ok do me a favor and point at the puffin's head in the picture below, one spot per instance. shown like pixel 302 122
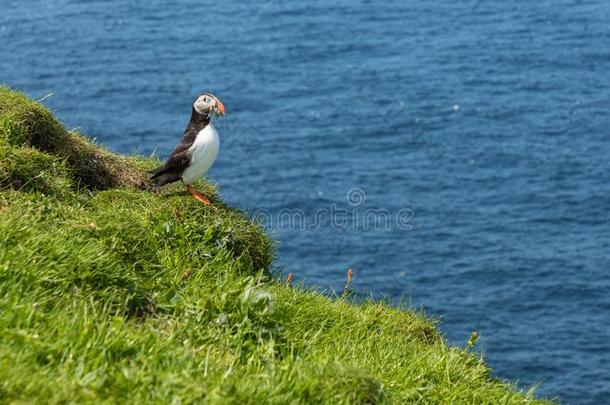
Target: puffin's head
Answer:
pixel 207 104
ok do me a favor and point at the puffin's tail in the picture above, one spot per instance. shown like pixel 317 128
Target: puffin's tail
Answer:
pixel 162 176
pixel 157 171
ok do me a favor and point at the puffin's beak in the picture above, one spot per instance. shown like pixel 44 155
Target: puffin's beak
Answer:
pixel 220 107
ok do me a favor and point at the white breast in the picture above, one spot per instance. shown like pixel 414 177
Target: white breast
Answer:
pixel 203 154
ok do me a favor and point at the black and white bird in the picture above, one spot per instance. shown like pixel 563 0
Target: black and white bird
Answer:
pixel 197 149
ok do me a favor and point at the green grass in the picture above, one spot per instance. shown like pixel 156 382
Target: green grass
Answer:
pixel 109 293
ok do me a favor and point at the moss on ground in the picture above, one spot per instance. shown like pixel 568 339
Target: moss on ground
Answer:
pixel 109 293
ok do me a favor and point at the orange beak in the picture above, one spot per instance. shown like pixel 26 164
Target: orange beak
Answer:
pixel 220 107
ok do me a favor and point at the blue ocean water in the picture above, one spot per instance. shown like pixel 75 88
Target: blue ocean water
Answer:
pixel 453 153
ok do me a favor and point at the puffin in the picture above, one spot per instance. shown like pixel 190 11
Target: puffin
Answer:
pixel 197 149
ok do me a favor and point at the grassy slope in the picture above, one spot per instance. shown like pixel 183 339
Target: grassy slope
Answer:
pixel 111 293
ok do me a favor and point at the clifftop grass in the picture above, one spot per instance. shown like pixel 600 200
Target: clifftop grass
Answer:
pixel 109 293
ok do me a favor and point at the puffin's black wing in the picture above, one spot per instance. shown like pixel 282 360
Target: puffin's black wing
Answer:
pixel 171 170
pixel 178 161
pixel 180 158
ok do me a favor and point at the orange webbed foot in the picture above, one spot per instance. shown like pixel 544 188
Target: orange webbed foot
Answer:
pixel 200 197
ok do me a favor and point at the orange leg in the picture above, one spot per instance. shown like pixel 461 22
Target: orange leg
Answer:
pixel 200 197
